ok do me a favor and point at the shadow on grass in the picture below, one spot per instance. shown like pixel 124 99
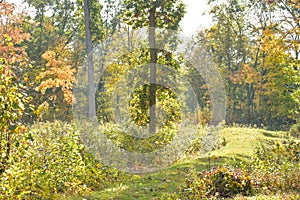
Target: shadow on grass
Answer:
pixel 162 183
pixel 275 135
pixel 267 134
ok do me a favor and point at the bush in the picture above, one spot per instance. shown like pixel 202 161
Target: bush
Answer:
pixel 295 130
pixel 218 182
pixel 277 168
pixel 49 160
pixel 120 136
pixel 13 98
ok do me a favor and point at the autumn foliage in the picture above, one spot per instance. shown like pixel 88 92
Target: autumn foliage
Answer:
pixel 12 35
pixel 13 96
pixel 58 75
pixel 254 45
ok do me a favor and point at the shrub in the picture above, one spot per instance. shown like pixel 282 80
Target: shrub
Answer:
pixel 218 182
pixel 12 104
pixel 295 130
pixel 49 160
pixel 120 137
pixel 277 168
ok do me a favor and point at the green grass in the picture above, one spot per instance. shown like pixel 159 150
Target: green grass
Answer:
pixel 238 145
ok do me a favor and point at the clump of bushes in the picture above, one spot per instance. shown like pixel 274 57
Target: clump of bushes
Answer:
pixel 295 130
pixel 49 160
pixel 277 168
pixel 274 170
pixel 120 137
pixel 219 182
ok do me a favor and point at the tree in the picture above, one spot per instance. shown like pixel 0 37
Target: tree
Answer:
pixel 113 9
pixel 64 25
pixel 290 24
pixel 154 14
pixel 52 21
pixel 53 27
pixel 275 38
pixel 227 40
pixel 258 59
pixel 280 82
pixel 13 96
pixel 89 47
pixel 60 77
pixel 12 36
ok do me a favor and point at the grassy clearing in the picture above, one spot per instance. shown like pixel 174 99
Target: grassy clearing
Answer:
pixel 236 145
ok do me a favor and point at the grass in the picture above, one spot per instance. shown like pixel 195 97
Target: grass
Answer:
pixel 236 145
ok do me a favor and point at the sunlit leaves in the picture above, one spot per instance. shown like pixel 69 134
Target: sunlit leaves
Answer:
pixel 12 91
pixel 168 13
pixel 258 57
pixel 12 105
pixel 58 75
pixel 12 35
pixel 166 103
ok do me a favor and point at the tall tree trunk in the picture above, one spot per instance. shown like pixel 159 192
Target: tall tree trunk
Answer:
pixel 153 61
pixel 91 78
pixel 250 97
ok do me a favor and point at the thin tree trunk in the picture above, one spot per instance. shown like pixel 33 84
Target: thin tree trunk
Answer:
pixel 91 78
pixel 153 61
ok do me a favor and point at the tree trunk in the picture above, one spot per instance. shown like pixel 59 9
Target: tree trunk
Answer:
pixel 91 78
pixel 250 98
pixel 153 61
